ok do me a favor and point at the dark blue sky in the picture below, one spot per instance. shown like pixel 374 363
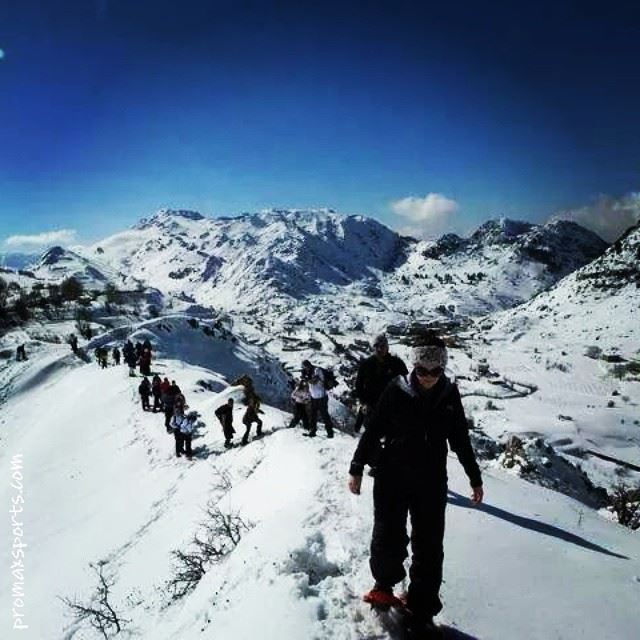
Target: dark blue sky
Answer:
pixel 113 108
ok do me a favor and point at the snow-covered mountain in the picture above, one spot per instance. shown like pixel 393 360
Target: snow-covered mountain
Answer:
pixel 301 262
pixel 503 263
pixel 253 259
pixel 57 264
pixel 577 343
pixel 597 303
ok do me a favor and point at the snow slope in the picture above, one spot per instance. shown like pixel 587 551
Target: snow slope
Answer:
pixel 571 342
pixel 101 483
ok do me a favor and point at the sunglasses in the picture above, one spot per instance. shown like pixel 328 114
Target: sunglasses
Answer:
pixel 423 372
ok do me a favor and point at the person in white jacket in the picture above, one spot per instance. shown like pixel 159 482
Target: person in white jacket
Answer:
pixel 183 429
pixel 302 405
pixel 319 399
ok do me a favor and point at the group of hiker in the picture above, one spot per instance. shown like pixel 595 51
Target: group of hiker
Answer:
pixel 138 355
pixel 311 400
pixel 224 413
pixel 170 401
pixel 409 419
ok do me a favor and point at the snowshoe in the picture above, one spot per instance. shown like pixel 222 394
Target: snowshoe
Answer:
pixel 383 599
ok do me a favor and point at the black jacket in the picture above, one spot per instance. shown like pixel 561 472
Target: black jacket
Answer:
pixel 416 427
pixel 225 415
pixel 374 376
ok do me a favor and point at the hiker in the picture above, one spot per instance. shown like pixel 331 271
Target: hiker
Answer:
pixel 146 345
pixel 251 416
pixel 180 402
pixel 144 389
pixel 156 391
pixel 417 417
pixel 73 342
pixel 131 363
pixel 101 358
pixel 301 405
pixel 20 353
pixel 315 377
pixel 115 354
pixel 183 429
pixel 224 413
pixel 145 362
pixel 168 400
pixel 374 374
pixel 164 387
pixel 128 351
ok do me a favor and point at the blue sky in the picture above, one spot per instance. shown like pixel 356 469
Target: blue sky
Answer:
pixel 425 115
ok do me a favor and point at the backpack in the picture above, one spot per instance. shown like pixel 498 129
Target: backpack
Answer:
pixel 330 380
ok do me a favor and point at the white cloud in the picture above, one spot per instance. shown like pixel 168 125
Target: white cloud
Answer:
pixel 430 216
pixel 47 238
pixel 607 216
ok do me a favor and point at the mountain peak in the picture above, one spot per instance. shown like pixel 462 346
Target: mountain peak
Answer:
pixel 52 256
pixel 500 231
pixel 164 215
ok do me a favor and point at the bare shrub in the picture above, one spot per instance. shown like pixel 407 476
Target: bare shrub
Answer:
pixel 221 533
pixel 98 612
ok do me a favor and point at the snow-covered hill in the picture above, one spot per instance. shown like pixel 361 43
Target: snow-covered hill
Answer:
pixel 595 305
pixel 502 264
pixel 101 485
pixel 57 264
pixel 302 262
pixel 578 344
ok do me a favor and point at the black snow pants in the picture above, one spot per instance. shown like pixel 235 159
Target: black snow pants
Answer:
pixel 168 414
pixel 320 410
pixel 396 495
pixel 300 412
pixel 247 424
pixel 179 436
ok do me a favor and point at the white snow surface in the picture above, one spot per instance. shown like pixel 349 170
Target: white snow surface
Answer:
pixel 102 484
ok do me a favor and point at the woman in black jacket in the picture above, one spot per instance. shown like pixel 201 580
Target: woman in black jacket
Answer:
pixel 417 418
